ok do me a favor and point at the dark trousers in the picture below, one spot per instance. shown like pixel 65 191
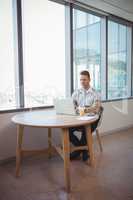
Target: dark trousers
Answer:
pixel 83 141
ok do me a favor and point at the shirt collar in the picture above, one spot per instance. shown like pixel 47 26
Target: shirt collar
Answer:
pixel 87 91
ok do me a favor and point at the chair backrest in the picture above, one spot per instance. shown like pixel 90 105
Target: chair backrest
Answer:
pixel 100 116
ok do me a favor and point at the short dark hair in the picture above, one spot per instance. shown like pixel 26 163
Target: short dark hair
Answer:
pixel 86 73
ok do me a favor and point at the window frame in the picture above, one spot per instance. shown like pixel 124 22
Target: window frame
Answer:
pixel 20 53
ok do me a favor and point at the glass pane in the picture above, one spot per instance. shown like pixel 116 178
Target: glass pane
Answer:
pixel 81 19
pixel 92 19
pixel 87 48
pixel 44 51
pixel 117 61
pixel 81 43
pixel 7 65
pixel 123 34
pixel 112 37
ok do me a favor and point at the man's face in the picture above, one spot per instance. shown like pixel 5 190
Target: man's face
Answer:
pixel 84 81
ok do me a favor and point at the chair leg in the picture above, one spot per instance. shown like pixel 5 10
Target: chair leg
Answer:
pixel 99 140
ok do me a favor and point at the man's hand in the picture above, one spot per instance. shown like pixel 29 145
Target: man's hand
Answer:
pixel 94 108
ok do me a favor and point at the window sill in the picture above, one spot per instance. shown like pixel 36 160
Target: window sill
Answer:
pixel 14 110
pixel 120 99
pixel 52 106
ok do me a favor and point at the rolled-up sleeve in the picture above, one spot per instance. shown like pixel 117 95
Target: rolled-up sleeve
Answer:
pixel 97 97
pixel 74 97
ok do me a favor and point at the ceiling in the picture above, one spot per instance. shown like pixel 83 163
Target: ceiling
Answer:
pixel 121 8
pixel 126 5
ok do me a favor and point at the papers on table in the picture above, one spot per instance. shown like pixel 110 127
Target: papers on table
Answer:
pixel 86 117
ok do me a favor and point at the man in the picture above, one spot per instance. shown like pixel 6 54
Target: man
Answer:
pixel 87 98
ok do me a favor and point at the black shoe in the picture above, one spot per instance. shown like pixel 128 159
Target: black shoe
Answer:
pixel 75 155
pixel 85 155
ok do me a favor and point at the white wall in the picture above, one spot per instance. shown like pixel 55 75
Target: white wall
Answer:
pixel 33 137
pixel 117 115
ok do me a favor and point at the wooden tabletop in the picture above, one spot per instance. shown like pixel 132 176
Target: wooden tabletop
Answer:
pixel 49 119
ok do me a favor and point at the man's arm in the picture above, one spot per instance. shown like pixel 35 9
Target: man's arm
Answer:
pixel 95 108
pixel 75 101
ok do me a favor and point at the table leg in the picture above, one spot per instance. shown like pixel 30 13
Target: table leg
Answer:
pixel 20 129
pixel 66 154
pixel 49 142
pixel 90 145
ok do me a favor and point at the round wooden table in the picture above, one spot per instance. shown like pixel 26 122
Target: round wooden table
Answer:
pixel 49 119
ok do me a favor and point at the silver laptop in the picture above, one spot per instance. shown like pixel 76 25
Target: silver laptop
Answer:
pixel 64 106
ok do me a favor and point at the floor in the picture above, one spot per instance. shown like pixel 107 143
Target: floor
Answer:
pixel 42 179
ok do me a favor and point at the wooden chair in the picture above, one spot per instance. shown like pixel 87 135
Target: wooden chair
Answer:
pixel 97 130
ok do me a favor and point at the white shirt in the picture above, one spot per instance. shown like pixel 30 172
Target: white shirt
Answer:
pixel 83 97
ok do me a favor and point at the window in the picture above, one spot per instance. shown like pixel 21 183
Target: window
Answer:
pixel 44 52
pixel 118 60
pixel 36 61
pixel 89 50
pixel 7 62
pixel 87 47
